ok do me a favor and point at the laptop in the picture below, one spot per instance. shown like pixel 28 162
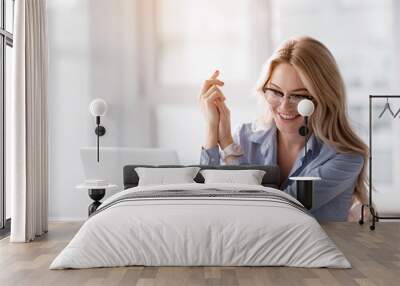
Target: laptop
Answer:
pixel 113 159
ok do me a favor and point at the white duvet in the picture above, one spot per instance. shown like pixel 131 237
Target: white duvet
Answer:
pixel 200 231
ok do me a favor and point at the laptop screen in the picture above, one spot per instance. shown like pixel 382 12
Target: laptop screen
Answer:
pixel 113 159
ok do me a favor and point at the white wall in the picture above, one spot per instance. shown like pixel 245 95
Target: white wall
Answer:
pixel 92 54
pixel 95 52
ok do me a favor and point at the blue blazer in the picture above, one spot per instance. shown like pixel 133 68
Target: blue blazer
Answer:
pixel 338 171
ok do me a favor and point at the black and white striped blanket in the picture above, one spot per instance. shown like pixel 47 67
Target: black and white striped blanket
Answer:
pixel 206 194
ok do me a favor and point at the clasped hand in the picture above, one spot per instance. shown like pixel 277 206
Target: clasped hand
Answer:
pixel 216 113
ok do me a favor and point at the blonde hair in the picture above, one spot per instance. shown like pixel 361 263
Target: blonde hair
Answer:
pixel 320 74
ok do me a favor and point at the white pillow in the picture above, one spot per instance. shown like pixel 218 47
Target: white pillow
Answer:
pixel 248 177
pixel 163 176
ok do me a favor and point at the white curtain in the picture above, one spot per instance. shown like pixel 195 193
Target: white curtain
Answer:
pixel 28 121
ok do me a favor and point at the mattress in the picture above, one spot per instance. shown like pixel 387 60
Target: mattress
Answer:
pixel 201 225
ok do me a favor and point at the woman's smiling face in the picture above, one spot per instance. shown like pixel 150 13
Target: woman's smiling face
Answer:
pixel 283 92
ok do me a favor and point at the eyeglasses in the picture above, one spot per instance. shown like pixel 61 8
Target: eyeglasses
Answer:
pixel 275 97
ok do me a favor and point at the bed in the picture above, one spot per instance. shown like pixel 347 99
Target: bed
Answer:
pixel 198 224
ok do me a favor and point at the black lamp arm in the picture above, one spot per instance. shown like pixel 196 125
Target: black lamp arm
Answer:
pixel 305 137
pixel 100 131
pixel 98 137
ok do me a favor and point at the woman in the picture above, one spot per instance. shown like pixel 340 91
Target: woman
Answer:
pixel 300 68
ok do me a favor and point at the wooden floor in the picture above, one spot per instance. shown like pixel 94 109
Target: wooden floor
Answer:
pixel 375 257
